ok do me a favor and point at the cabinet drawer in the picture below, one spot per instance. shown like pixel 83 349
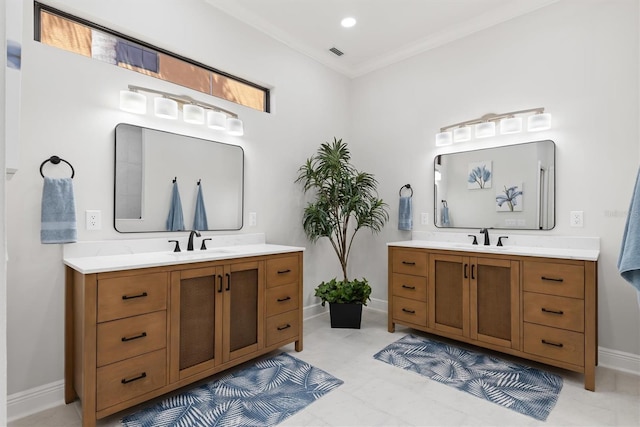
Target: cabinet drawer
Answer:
pixel 125 380
pixel 282 327
pixel 557 344
pixel 412 287
pixel 282 271
pixel 554 279
pixel 409 310
pixel 410 262
pixel 132 336
pixel 282 298
pixel 557 312
pixel 132 295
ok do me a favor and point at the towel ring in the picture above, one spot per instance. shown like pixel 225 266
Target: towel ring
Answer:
pixel 55 160
pixel 408 186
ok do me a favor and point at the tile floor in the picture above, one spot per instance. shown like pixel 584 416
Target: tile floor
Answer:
pixel 377 394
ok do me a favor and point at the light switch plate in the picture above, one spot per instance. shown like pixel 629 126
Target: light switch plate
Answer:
pixel 424 218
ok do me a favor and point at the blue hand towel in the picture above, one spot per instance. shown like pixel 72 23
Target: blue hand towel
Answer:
pixel 629 260
pixel 200 217
pixel 175 221
pixel 58 219
pixel 405 214
pixel 445 216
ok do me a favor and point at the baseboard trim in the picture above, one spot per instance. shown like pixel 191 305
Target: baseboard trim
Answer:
pixel 37 399
pixel 619 360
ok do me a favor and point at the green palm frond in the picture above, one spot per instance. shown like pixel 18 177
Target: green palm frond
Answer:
pixel 345 200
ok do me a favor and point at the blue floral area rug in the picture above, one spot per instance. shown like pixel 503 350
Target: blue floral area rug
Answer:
pixel 523 389
pixel 263 394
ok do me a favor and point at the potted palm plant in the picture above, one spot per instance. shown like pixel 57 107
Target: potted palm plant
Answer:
pixel 345 201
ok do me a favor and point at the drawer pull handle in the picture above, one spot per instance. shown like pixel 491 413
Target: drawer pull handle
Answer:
pixel 228 288
pixel 288 270
pixel 473 272
pixel 130 380
pixel 284 299
pixel 142 335
pixel 466 271
pixel 126 297
pixel 552 279
pixel 555 344
pixel 408 263
pixel 220 286
pixel 546 310
pixel 282 328
pixel 409 287
pixel 406 310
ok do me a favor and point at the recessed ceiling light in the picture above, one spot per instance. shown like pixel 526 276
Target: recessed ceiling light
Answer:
pixel 348 22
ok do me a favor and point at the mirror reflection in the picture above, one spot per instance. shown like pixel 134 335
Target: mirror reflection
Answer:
pixel 510 187
pixel 147 161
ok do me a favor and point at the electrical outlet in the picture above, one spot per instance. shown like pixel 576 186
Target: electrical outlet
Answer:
pixel 576 219
pixel 253 219
pixel 424 218
pixel 93 220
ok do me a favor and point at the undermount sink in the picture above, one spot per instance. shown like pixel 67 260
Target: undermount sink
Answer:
pixel 476 247
pixel 203 253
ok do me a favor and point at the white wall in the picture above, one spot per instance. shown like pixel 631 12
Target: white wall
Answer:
pixel 3 243
pixel 70 108
pixel 576 58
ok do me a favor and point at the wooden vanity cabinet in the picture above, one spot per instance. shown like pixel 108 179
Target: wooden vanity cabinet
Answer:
pixel 137 334
pixel 536 308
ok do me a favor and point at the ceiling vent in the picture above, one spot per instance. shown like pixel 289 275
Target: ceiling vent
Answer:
pixel 337 51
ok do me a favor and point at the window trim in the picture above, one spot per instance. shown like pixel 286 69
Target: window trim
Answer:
pixel 39 7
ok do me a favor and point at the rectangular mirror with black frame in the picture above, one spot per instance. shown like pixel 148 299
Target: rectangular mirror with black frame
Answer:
pixel 146 163
pixel 509 187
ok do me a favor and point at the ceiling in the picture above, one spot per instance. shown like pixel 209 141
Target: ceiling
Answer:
pixel 387 31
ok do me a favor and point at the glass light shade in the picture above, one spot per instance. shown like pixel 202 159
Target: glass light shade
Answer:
pixel 539 122
pixel 193 114
pixel 485 129
pixel 443 138
pixel 234 127
pixel 511 125
pixel 462 134
pixel 133 102
pixel 216 120
pixel 165 108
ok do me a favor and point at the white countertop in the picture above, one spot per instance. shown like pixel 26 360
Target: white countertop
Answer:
pixel 114 255
pixel 578 248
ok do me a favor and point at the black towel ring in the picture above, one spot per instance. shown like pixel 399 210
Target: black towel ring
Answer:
pixel 408 186
pixel 55 160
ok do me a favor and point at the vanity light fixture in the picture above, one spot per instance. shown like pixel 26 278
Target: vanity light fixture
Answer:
pixel 485 126
pixel 167 105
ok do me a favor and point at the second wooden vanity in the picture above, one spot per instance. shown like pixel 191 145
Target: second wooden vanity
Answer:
pixel 538 308
pixel 135 334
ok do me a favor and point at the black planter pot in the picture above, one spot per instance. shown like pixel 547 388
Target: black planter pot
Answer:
pixel 347 315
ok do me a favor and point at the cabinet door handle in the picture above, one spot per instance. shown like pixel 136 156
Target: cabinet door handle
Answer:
pixel 284 299
pixel 408 263
pixel 466 271
pixel 220 286
pixel 406 310
pixel 130 380
pixel 473 271
pixel 546 310
pixel 126 297
pixel 228 281
pixel 282 328
pixel 555 344
pixel 552 279
pixel 288 270
pixel 142 335
pixel 409 287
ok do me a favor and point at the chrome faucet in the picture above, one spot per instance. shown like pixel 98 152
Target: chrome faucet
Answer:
pixel 191 234
pixel 485 231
